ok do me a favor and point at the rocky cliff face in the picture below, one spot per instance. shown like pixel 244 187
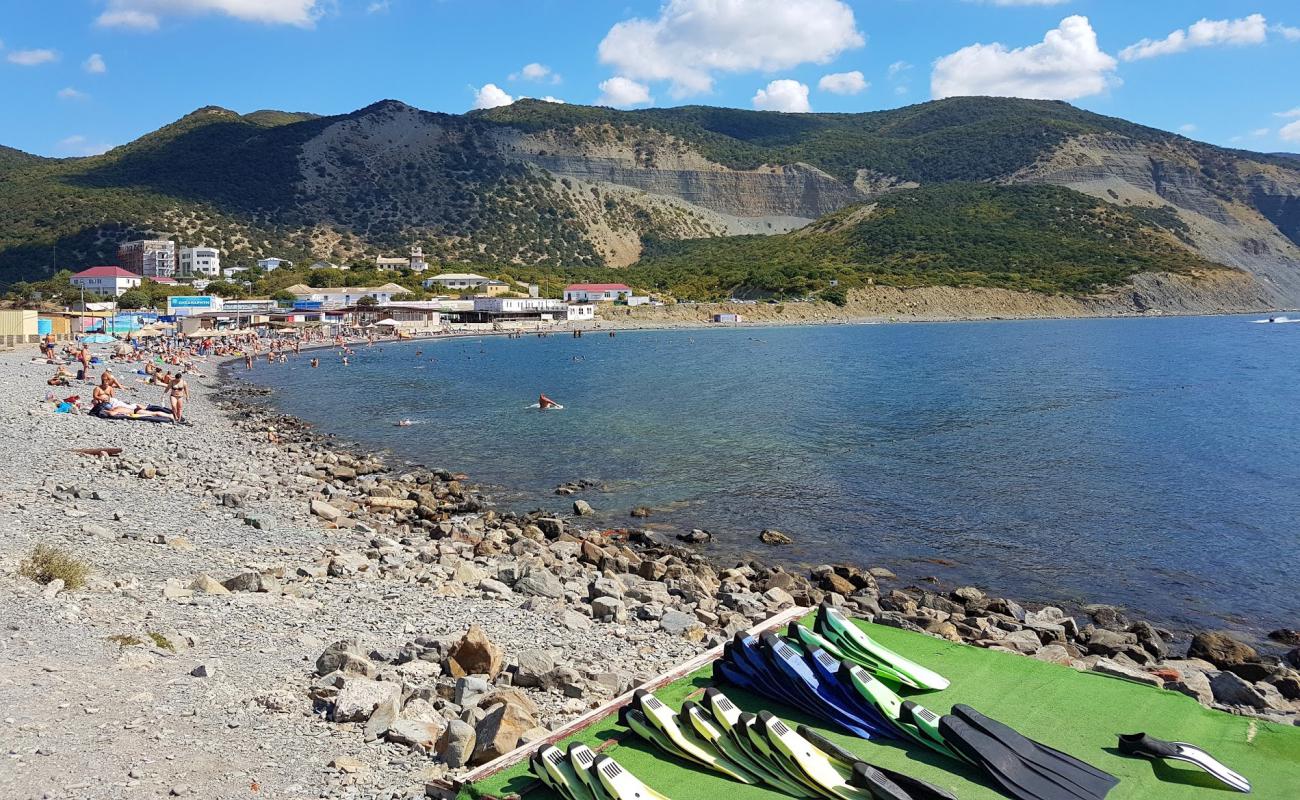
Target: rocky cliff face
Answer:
pixel 1245 219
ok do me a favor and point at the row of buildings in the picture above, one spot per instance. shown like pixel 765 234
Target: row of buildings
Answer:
pixel 159 258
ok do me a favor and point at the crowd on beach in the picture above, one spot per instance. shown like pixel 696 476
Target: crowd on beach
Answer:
pixel 164 362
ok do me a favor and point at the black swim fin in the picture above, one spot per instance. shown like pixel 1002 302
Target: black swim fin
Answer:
pixel 1139 744
pixel 1083 778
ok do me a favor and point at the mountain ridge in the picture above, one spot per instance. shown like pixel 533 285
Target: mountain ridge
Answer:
pixel 536 184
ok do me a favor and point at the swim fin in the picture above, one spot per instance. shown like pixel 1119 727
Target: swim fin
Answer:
pixel 1139 744
pixel 915 787
pixel 1065 768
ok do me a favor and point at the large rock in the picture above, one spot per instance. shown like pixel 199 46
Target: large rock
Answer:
pixel 251 582
pixel 456 745
pixel 499 732
pixel 582 508
pixel 208 585
pixel 678 622
pixel 345 655
pixel 1221 650
pixel 540 582
pixel 475 654
pixel 325 511
pixel 360 697
pixel 422 736
pixel 533 664
pixel 1231 690
pixel 773 537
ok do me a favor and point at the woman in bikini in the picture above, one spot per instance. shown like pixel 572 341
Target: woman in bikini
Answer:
pixel 177 392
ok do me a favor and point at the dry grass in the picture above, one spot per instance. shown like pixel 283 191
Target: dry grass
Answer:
pixel 125 640
pixel 46 564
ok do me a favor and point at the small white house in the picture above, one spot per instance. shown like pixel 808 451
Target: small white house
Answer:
pixel 519 305
pixel 272 264
pixel 580 312
pixel 106 281
pixel 199 262
pixel 346 295
pixel 596 292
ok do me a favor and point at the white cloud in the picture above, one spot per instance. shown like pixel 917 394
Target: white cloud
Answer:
pixel 81 146
pixel 95 64
pixel 1066 65
pixel 691 40
pixel 72 94
pixel 1290 132
pixel 1287 32
pixel 1260 133
pixel 783 95
pixel 1205 33
pixel 377 7
pixel 899 74
pixel 843 83
pixel 490 96
pixel 32 58
pixel 623 92
pixel 897 68
pixel 146 15
pixel 1295 112
pixel 537 73
pixel 1188 128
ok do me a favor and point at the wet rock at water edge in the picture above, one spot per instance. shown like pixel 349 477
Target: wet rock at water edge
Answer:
pixel 582 508
pixel 696 536
pixel 1221 650
pixel 773 537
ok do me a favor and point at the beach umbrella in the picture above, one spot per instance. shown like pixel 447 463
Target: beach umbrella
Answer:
pixel 390 322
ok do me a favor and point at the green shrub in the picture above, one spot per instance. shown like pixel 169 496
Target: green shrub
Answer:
pixel 46 564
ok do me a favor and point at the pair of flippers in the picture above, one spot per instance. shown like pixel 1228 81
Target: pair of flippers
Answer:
pixel 582 775
pixel 763 750
pixel 835 633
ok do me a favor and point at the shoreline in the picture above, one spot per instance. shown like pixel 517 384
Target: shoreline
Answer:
pixel 231 577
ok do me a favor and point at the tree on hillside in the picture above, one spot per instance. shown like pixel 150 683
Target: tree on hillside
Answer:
pixel 367 301
pixel 226 289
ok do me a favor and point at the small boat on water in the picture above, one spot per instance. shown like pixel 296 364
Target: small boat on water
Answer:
pixel 403 423
pixel 1275 320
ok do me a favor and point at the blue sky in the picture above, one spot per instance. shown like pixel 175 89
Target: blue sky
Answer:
pixel 79 76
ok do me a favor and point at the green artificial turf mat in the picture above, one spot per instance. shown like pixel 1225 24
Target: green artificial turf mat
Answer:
pixel 1076 712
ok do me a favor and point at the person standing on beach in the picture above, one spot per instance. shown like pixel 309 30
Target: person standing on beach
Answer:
pixel 248 359
pixel 178 391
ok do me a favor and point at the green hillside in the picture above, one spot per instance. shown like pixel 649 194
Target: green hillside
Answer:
pixel 1035 238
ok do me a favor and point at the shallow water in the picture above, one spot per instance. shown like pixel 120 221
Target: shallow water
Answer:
pixel 1145 462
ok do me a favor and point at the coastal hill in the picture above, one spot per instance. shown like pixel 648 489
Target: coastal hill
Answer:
pixel 581 191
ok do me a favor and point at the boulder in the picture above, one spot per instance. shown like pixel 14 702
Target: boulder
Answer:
pixel 539 582
pixel 1022 641
pixel 773 537
pixel 1120 670
pixel 208 585
pixel 1221 650
pixel 678 622
pixel 325 511
pixel 582 508
pixel 1231 690
pixel 422 736
pixel 533 665
pixel 251 582
pixel 499 732
pixel 609 609
pixel 345 655
pixel 456 744
pixel 475 654
pixel 360 697
pixel 1286 636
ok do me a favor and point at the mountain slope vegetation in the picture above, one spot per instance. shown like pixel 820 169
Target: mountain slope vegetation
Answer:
pixel 540 188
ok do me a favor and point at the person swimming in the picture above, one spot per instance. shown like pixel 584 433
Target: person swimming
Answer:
pixel 544 402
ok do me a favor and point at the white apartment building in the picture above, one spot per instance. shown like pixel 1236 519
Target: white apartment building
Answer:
pixel 455 280
pixel 346 295
pixel 106 281
pixel 152 258
pixel 200 262
pixel 273 263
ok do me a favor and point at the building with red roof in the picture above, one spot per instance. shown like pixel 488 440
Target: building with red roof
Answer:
pixel 106 281
pixel 596 292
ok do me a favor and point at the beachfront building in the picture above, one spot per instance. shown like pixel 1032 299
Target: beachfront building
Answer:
pixel 231 272
pixel 456 281
pixel 412 317
pixel 272 264
pixel 580 312
pixel 596 292
pixel 106 281
pixel 152 258
pixel 199 262
pixel 346 295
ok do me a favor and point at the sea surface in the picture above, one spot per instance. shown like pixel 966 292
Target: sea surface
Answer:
pixel 1150 463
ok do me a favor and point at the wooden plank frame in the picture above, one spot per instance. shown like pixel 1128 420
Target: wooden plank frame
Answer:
pixel 447 789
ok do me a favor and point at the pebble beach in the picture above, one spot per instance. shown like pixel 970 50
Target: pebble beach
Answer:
pixel 266 613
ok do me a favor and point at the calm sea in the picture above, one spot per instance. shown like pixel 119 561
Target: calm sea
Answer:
pixel 1151 463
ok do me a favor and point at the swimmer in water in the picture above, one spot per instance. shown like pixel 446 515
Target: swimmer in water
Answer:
pixel 544 402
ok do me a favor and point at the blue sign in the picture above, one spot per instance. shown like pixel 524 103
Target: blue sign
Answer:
pixel 197 301
pixel 307 305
